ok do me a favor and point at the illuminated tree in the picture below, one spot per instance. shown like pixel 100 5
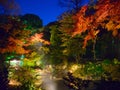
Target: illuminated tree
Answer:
pixel 94 20
pixel 73 48
pixel 105 14
pixel 55 47
pixel 33 61
pixel 12 41
pixel 38 49
pixel 72 45
pixel 18 42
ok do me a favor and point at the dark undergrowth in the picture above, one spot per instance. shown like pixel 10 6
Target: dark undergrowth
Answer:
pixel 79 84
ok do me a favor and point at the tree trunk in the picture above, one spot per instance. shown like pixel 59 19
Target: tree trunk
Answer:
pixel 94 46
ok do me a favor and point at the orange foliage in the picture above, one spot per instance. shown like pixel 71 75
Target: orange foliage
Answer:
pixel 17 45
pixel 104 10
pixel 38 38
pixel 16 38
pixel 82 24
pixel 14 45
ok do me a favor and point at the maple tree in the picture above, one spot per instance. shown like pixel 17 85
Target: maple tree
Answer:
pixel 14 36
pixel 8 42
pixel 104 14
pixel 37 37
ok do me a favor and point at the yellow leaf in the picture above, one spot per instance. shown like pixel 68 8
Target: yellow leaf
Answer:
pixel 110 25
pixel 117 27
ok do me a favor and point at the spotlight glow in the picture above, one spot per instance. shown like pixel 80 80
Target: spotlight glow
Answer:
pixel 15 62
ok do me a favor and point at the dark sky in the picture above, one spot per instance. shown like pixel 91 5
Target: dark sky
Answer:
pixel 47 10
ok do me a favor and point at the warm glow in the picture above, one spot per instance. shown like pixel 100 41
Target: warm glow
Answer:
pixel 73 68
pixel 14 83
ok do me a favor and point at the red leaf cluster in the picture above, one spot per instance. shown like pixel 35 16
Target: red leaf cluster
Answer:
pixel 104 10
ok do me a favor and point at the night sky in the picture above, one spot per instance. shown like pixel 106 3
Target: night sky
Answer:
pixel 47 10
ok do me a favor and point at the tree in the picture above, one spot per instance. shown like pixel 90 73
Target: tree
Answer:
pixel 13 40
pixel 92 20
pixel 19 41
pixel 39 48
pixel 104 14
pixel 32 21
pixel 47 30
pixel 72 46
pixel 55 47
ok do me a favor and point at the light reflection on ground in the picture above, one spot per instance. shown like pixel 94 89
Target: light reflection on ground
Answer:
pixel 43 79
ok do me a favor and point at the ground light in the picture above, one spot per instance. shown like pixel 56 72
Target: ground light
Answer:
pixel 16 63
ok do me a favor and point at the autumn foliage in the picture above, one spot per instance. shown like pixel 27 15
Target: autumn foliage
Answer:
pixel 38 37
pixel 105 14
pixel 13 37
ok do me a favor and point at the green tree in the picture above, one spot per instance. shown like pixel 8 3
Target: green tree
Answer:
pixel 47 29
pixel 73 48
pixel 32 22
pixel 55 47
